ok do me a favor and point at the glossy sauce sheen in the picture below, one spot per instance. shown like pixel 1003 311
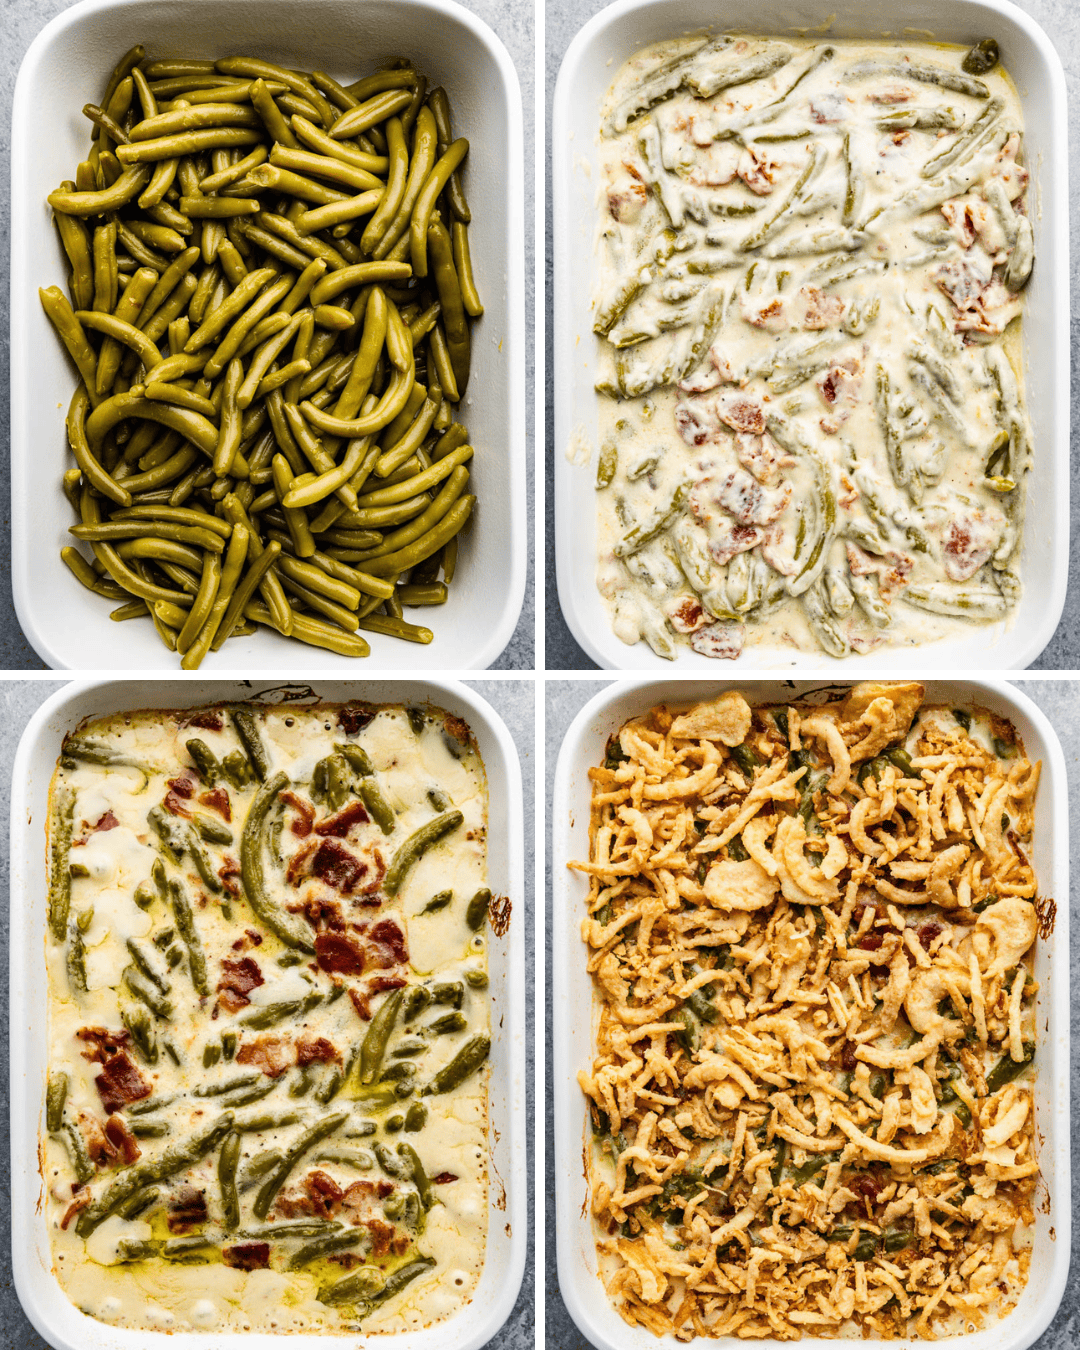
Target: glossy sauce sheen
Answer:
pixel 803 443
pixel 113 851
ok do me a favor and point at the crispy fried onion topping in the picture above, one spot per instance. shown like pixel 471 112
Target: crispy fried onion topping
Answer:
pixel 811 931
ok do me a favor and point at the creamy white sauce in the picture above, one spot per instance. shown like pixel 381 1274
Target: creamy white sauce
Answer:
pixel 110 864
pixel 808 297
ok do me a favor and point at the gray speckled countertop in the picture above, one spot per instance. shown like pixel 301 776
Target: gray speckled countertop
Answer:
pixel 20 22
pixel 1060 701
pixel 1061 20
pixel 19 699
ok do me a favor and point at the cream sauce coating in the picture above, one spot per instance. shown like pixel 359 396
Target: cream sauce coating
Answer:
pixel 114 848
pixel 811 263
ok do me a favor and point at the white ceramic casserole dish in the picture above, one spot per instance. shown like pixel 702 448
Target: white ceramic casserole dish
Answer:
pixel 58 1320
pixel 68 64
pixel 588 69
pixel 574 1019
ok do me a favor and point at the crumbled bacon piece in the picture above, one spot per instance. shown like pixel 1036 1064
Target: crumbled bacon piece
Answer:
pixel 687 616
pixel 382 1235
pixel 120 1082
pixel 443 1179
pixel 340 824
pixel 323 1191
pixel 969 544
pixel 340 869
pixel 321 914
pixel 379 984
pixel 82 1199
pixel 238 979
pixel 315 1050
pixel 625 205
pixel 927 933
pixel 391 940
pixel 106 822
pixel 218 800
pixel 207 721
pixel 339 954
pixel 186 1209
pixel 740 413
pixel 121 1138
pixel 247 1256
pixel 354 717
pixel 269 1054
pixel 297 866
pixel 183 786
pixel 821 310
pixel 301 826
pixel 361 1191
pixel 863 1185
pixel 870 942
pixel 229 870
pixel 102 1042
pixel 99 1146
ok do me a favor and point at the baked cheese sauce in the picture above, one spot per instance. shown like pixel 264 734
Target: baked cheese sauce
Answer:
pixel 811 261
pixel 145 1080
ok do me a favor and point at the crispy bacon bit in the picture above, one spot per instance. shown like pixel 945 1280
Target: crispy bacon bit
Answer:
pixel 354 717
pixel 361 1191
pixel 121 1138
pixel 229 869
pixel 334 864
pixel 102 1043
pixel 927 933
pixel 378 984
pixel 870 942
pixel 740 413
pixel 106 822
pixel 321 914
pixel 863 1185
pixel 323 1191
pixel 382 1235
pixel 761 456
pixel 822 311
pixel 969 543
pixel 456 727
pixel 769 316
pixel 297 868
pixel 847 1056
pixel 270 1054
pixel 687 616
pixel 301 826
pixel 390 941
pixel 82 1199
pixel 723 641
pixel 218 800
pixel 120 1082
pixel 342 823
pixel 443 1179
pixel 757 171
pixel 98 1144
pixel 340 954
pixel 183 786
pixel 186 1209
pixel 750 503
pixel 346 1260
pixel 312 1050
pixel 696 421
pixel 174 804
pixel 247 1256
pixel 238 979
pixel 625 205
pixel 208 721
pixel 734 538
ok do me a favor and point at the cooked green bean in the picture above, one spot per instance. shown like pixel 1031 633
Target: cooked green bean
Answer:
pixel 292 931
pixel 417 844
pixel 315 1134
pixel 465 1063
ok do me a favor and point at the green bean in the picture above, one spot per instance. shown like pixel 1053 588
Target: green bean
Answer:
pixel 143 153
pixel 61 827
pixel 315 1134
pixel 290 930
pixel 373 1046
pixel 185 922
pixel 80 1158
pixel 378 807
pixel 1007 1069
pixel 982 57
pixel 139 1203
pixel 185 1153
pixel 126 188
pixel 465 1063
pixel 323 1246
pixel 437 902
pixel 230 1201
pixel 476 912
pixel 417 844
pixel 55 1097
pixel 446 1025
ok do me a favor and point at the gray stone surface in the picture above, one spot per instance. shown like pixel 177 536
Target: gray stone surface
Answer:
pixel 1061 20
pixel 20 22
pixel 19 699
pixel 1060 701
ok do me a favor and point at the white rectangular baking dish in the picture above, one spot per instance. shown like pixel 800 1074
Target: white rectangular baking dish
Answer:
pixel 67 65
pixel 583 747
pixel 58 1320
pixel 588 69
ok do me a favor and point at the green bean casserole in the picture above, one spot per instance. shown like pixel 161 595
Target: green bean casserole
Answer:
pixel 812 933
pixel 266 1105
pixel 812 428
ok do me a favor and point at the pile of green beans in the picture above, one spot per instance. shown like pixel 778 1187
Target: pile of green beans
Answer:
pixel 290 457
